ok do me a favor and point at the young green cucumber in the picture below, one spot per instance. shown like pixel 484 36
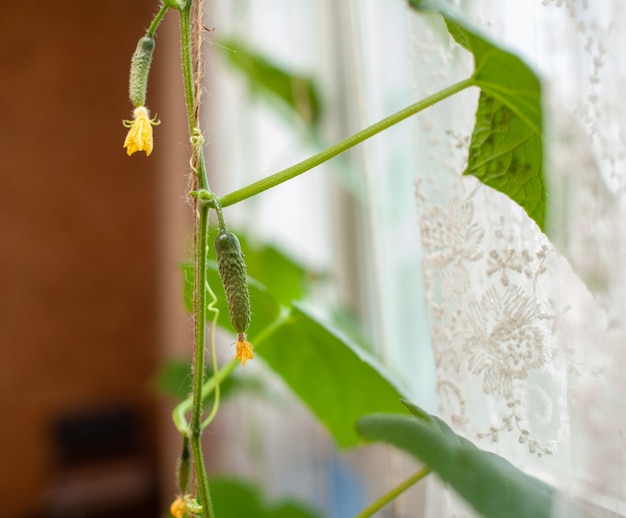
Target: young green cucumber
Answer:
pixel 139 69
pixel 232 270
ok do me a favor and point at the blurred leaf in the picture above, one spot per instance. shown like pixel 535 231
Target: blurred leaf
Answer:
pixel 335 379
pixel 292 510
pixel 174 380
pixel 491 484
pixel 236 498
pixel 297 91
pixel 506 149
pixel 348 325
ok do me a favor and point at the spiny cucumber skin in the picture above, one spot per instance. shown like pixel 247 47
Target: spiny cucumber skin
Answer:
pixel 139 69
pixel 232 270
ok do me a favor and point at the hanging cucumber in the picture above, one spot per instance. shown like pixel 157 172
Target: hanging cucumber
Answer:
pixel 232 269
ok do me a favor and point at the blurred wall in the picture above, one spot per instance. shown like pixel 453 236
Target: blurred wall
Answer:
pixel 77 234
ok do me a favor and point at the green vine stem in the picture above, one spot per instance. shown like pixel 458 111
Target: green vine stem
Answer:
pixel 215 203
pixel 201 289
pixel 200 310
pixel 216 399
pixel 156 21
pixel 332 151
pixel 388 497
pixel 187 62
pixel 179 413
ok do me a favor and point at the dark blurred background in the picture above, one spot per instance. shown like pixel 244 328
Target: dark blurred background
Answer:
pixel 78 279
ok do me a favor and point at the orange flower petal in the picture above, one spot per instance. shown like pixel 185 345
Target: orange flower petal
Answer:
pixel 177 509
pixel 244 351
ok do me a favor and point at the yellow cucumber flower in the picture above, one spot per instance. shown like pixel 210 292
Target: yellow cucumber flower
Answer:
pixel 139 136
pixel 244 349
pixel 177 509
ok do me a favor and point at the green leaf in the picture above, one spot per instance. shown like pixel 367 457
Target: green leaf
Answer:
pixel 491 484
pixel 236 498
pixel 265 77
pixel 335 379
pixel 506 149
pixel 505 153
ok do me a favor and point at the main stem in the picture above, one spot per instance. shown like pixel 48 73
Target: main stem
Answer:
pixel 190 95
pixel 200 304
pixel 200 263
pixel 332 151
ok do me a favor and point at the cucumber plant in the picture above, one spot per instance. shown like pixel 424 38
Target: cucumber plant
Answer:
pixel 279 321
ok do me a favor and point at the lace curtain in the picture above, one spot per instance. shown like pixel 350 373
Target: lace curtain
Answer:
pixel 528 332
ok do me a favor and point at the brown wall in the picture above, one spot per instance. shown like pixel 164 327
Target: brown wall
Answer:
pixel 77 233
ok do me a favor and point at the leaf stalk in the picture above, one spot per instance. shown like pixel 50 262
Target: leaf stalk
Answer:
pixel 347 143
pixel 394 493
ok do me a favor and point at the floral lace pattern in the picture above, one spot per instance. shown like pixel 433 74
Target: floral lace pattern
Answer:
pixel 493 323
pixel 505 342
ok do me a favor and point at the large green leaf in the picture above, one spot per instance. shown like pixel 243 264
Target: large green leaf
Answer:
pixel 506 148
pixel 491 484
pixel 265 77
pixel 335 379
pixel 235 498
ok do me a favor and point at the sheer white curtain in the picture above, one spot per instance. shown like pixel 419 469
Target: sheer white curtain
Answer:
pixel 528 333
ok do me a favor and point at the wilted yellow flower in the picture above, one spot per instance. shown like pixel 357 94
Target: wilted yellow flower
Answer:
pixel 139 136
pixel 177 509
pixel 244 349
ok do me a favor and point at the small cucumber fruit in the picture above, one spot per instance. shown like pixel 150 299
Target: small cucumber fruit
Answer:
pixel 232 270
pixel 139 69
